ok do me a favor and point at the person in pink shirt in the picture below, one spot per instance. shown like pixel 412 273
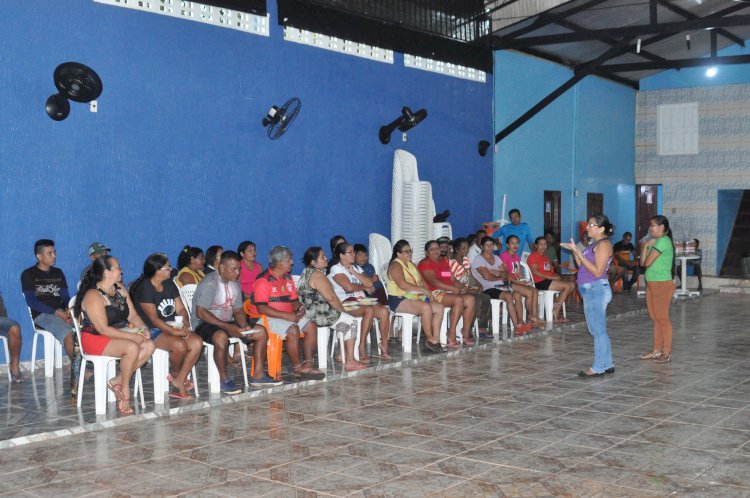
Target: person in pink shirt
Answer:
pixel 522 284
pixel 249 269
pixel 545 277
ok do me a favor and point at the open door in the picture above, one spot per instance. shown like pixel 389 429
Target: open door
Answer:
pixel 552 214
pixel 594 204
pixel 646 207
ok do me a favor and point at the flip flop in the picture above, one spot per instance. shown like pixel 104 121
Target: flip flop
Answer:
pixel 313 374
pixel 114 388
pixel 354 366
pixel 16 378
pixel 188 383
pixel 177 395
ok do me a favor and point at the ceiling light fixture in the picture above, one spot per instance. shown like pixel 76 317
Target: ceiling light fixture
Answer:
pixel 712 71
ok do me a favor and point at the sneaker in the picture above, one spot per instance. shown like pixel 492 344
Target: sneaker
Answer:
pixel 229 387
pixel 265 381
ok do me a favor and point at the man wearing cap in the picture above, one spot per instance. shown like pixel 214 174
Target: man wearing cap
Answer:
pixel 96 249
pixel 446 249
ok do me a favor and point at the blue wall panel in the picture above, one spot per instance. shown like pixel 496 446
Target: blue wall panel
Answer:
pixel 583 141
pixel 176 154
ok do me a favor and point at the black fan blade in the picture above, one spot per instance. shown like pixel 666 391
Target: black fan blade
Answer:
pixel 387 130
pixel 77 82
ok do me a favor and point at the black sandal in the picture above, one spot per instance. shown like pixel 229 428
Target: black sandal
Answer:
pixel 312 374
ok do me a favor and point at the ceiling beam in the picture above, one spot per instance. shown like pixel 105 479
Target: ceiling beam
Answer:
pixel 678 63
pixel 689 15
pixel 545 19
pixel 624 32
pixel 580 73
pixel 598 72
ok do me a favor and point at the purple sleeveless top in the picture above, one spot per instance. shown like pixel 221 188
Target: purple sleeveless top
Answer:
pixel 585 276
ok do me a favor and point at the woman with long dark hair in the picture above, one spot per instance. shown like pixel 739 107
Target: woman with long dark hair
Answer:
pixel 408 293
pixel 594 288
pixel 106 309
pixel 657 256
pixel 157 301
pixel 190 263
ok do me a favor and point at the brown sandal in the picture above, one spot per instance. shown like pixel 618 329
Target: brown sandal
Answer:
pixel 650 355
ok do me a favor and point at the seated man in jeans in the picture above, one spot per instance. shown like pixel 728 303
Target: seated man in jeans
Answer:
pixel 217 311
pixel 624 254
pixel 275 296
pixel 46 292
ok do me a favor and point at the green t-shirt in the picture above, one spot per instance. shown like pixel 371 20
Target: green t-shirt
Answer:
pixel 661 269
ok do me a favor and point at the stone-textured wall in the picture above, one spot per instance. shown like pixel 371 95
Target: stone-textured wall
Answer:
pixel 691 182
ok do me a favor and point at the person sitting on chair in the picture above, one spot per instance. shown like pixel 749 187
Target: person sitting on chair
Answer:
pixel 12 331
pixel 275 296
pixel 461 270
pixel 624 255
pixel 522 284
pixel 157 301
pixel 546 279
pixel 218 315
pixel 106 312
pixel 213 255
pixel 190 263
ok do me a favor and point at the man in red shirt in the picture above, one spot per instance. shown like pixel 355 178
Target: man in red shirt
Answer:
pixel 275 296
pixel 545 277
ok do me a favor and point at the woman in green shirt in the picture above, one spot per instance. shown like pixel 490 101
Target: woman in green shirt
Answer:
pixel 657 256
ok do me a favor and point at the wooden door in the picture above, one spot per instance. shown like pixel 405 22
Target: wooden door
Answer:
pixel 552 214
pixel 646 207
pixel 594 204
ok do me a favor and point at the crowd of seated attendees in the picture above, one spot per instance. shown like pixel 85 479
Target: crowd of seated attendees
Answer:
pixel 234 291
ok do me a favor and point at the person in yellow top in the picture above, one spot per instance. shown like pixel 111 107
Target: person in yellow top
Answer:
pixel 658 259
pixel 408 293
pixel 190 263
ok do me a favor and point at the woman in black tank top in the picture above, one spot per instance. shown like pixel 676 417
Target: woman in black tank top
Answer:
pixel 105 308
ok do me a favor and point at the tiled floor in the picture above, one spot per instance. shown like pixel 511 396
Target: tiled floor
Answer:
pixel 504 420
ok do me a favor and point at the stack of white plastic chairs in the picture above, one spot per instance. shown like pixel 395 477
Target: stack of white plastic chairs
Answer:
pixel 412 207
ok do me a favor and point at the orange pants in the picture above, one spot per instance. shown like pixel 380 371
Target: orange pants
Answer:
pixel 658 299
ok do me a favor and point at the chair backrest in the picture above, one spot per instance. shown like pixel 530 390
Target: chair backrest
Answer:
pixel 186 294
pixel 380 254
pixel 76 325
pixel 527 275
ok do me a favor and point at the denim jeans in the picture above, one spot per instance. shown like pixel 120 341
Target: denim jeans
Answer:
pixel 596 296
pixel 54 324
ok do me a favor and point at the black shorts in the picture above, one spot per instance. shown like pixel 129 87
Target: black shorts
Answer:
pixel 495 293
pixel 543 285
pixel 206 331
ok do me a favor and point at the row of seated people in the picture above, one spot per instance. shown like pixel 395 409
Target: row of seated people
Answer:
pixel 218 304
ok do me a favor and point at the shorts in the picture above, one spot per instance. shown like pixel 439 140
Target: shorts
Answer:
pixel 280 327
pixel 394 302
pixel 543 285
pixel 438 295
pixel 154 332
pixel 54 325
pixel 94 344
pixel 6 324
pixel 206 331
pixel 495 293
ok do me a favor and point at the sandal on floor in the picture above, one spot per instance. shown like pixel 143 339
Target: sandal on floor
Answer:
pixel 354 366
pixel 177 395
pixel 663 358
pixel 312 374
pixel 381 354
pixel 650 355
pixel 16 378
pixel 116 390
pixel 453 345
pixel 469 342
pixel 124 411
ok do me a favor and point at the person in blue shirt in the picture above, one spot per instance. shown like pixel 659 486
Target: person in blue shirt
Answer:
pixel 515 227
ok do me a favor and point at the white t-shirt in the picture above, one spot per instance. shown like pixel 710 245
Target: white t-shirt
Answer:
pixel 480 262
pixel 474 251
pixel 340 292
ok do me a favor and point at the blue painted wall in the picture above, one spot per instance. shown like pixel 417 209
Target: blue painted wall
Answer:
pixel 583 141
pixel 696 76
pixel 176 154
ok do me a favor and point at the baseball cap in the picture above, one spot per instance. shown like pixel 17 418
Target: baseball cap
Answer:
pixel 98 248
pixel 444 240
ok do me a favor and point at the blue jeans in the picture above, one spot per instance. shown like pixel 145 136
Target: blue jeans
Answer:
pixel 54 325
pixel 596 296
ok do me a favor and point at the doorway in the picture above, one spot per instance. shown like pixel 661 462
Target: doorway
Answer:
pixel 646 207
pixel 552 216
pixel 594 204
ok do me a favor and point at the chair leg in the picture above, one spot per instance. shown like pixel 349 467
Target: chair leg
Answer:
pixel 273 354
pixel 49 355
pixel 495 314
pixel 214 381
pixel 139 387
pixel 323 333
pixel 33 352
pixel 407 324
pixel 7 357
pixel 101 392
pixel 243 362
pixel 79 396
pixel 195 382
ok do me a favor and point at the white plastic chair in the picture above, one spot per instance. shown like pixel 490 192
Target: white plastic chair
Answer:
pixel 495 307
pixel 546 299
pixel 7 356
pixel 104 369
pixel 214 381
pixel 52 349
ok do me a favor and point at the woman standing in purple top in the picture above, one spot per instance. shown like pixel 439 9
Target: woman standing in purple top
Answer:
pixel 594 288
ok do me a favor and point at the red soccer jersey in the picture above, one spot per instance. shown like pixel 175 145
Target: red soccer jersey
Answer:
pixel 278 293
pixel 543 266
